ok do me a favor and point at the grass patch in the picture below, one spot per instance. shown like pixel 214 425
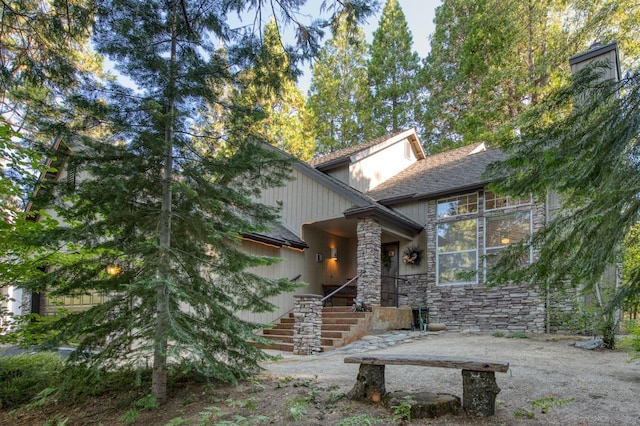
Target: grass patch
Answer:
pixel 23 377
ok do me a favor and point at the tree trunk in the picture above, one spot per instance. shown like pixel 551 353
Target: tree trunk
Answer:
pixel 369 384
pixel 160 342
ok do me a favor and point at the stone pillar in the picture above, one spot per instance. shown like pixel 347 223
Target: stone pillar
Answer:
pixel 369 267
pixel 307 314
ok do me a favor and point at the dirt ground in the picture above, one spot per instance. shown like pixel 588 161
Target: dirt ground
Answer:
pixel 549 383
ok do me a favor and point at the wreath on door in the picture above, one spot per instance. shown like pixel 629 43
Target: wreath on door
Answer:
pixel 412 256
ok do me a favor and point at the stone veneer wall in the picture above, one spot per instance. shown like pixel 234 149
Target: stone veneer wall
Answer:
pixel 369 246
pixel 307 327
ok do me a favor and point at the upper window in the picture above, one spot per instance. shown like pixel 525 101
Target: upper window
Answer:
pixel 494 201
pixel 455 206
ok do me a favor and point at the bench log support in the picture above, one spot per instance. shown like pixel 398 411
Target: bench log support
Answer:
pixel 479 390
pixel 369 384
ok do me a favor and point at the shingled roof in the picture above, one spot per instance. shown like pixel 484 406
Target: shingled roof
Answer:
pixel 448 172
pixel 279 236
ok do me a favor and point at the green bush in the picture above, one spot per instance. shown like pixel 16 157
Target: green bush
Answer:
pixel 25 376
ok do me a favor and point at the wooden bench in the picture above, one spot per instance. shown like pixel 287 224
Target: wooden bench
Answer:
pixel 348 293
pixel 478 378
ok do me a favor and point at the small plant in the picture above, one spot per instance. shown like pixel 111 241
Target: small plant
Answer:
pixel 335 397
pixel 148 402
pixel 499 334
pixel 518 335
pixel 544 404
pixel 523 412
pixel 24 377
pixel 178 421
pixel 208 414
pixel 402 411
pixel 298 407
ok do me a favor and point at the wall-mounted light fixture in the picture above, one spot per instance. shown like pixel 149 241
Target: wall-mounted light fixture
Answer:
pixel 334 253
pixel 319 257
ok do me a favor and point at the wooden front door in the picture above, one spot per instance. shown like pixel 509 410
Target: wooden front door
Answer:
pixel 389 273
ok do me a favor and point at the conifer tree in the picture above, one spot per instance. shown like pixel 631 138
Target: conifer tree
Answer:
pixel 491 60
pixel 339 96
pixel 393 70
pixel 164 198
pixel 270 88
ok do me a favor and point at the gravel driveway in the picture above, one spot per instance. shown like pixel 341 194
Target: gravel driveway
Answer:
pixel 581 387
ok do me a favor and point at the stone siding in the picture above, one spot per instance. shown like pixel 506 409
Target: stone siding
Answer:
pixel 307 328
pixel 369 266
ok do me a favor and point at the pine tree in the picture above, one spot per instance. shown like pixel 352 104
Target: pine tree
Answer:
pixel 165 198
pixel 581 142
pixel 491 60
pixel 393 70
pixel 270 88
pixel 339 96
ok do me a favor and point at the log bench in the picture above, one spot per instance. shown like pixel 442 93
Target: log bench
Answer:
pixel 479 388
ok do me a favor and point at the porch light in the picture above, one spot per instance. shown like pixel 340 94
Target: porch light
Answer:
pixel 505 240
pixel 113 270
pixel 334 253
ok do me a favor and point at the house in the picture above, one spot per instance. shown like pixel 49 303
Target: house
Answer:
pixel 406 229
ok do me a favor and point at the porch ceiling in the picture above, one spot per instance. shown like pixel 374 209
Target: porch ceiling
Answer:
pixel 340 227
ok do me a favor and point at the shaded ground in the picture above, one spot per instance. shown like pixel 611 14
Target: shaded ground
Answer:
pixel 549 383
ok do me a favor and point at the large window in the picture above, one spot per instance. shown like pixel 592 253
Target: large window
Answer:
pixel 458 248
pixel 458 252
pixel 502 230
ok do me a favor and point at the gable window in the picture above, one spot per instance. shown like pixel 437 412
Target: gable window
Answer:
pixel 457 242
pixel 494 201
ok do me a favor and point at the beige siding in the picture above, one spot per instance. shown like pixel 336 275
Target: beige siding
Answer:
pixel 304 200
pixel 610 57
pixel 291 265
pixel 341 173
pixel 376 168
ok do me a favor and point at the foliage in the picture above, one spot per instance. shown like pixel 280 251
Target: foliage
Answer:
pixel 166 194
pixel 492 60
pixel 298 407
pixel 24 376
pixel 269 88
pixel 339 98
pixel 360 420
pixel 393 70
pixel 402 411
pixel 586 152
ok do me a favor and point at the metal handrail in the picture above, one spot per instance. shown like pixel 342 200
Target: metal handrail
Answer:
pixel 339 288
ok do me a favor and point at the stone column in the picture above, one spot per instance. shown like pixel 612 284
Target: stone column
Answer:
pixel 369 241
pixel 307 328
pixel 479 390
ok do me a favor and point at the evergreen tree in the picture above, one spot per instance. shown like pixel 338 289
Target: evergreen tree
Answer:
pixel 165 198
pixel 270 88
pixel 491 60
pixel 339 96
pixel 393 70
pixel 587 152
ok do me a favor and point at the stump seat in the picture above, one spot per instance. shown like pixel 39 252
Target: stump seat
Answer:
pixel 479 388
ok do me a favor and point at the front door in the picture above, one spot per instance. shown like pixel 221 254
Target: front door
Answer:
pixel 389 274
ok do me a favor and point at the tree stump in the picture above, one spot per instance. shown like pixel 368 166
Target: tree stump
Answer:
pixel 479 390
pixel 424 405
pixel 369 384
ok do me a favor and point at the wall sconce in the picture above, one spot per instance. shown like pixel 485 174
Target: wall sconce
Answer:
pixel 334 253
pixel 113 270
pixel 319 257
pixel 505 240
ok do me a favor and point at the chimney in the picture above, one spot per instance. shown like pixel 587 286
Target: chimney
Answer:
pixel 599 52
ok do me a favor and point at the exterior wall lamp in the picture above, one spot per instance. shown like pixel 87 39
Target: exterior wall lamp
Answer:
pixel 113 270
pixel 334 253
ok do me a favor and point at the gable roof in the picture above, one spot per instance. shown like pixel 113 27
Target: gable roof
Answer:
pixel 351 153
pixel 449 172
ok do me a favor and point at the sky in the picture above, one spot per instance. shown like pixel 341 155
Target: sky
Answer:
pixel 419 15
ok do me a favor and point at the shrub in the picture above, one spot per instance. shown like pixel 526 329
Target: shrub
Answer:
pixel 25 376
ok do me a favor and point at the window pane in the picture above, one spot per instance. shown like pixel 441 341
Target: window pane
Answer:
pixel 493 201
pixel 454 206
pixel 507 229
pixel 457 236
pixel 457 267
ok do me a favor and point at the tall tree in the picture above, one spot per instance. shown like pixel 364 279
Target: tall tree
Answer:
pixel 270 88
pixel 339 96
pixel 393 70
pixel 587 152
pixel 491 60
pixel 44 57
pixel 165 198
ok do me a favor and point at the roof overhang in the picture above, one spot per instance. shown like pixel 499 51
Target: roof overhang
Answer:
pixel 389 219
